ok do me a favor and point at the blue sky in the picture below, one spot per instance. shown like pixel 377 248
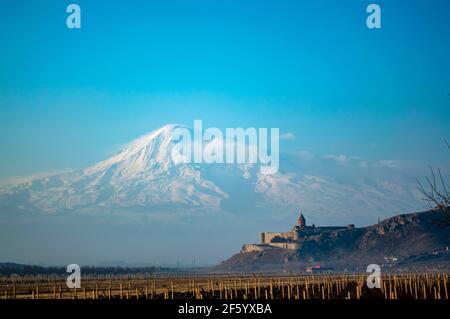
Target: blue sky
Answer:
pixel 69 98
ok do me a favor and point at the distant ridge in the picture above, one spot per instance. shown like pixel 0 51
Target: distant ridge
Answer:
pixel 10 269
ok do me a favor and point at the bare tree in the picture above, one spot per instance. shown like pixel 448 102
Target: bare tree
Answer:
pixel 436 192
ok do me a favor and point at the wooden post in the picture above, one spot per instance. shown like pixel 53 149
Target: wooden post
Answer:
pixel 152 291
pixel 390 289
pixel 271 289
pixel 415 290
pixel 384 289
pixel 439 287
pixel 445 286
pixel 306 290
pixel 259 288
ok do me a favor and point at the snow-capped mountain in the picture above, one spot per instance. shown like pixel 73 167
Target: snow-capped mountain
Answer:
pixel 143 176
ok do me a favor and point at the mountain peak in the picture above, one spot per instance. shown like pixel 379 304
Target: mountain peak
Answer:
pixel 149 150
pixel 164 132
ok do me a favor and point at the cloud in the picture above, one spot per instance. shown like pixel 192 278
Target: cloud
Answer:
pixel 392 163
pixel 303 155
pixel 287 136
pixel 338 158
pixel 29 178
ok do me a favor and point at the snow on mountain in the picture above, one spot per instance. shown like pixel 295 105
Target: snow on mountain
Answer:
pixel 144 177
pixel 140 175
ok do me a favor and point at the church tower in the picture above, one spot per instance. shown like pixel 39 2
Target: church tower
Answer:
pixel 301 221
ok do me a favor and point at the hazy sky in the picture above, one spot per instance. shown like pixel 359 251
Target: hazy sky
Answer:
pixel 69 98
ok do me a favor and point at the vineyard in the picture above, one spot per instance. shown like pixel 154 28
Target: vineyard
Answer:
pixel 393 286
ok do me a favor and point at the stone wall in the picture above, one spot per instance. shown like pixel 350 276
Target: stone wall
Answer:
pixel 284 245
pixel 268 237
pixel 248 248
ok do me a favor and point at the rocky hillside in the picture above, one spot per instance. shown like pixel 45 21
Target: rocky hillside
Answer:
pixel 408 241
